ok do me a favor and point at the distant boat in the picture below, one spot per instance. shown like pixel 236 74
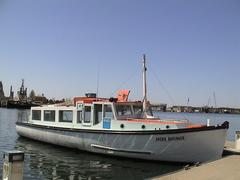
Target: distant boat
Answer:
pixel 20 105
pixel 119 127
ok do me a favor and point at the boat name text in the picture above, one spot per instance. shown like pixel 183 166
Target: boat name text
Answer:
pixel 174 138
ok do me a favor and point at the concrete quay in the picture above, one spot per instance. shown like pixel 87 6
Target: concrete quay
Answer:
pixel 226 168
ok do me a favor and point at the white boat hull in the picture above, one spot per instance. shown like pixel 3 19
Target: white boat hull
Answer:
pixel 195 146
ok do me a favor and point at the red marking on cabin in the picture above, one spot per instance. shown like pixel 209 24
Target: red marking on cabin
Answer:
pixel 89 100
pixel 123 95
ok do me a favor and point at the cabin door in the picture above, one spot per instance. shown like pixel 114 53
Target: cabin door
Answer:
pixel 107 116
pixel 98 113
pixel 87 115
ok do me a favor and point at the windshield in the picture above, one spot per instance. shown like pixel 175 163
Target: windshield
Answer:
pixel 129 110
pixel 123 110
pixel 149 111
pixel 137 109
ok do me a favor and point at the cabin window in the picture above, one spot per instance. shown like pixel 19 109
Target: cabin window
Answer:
pixel 66 116
pixel 137 109
pixel 123 110
pixel 87 114
pixel 36 115
pixel 108 113
pixel 79 116
pixel 97 113
pixel 49 115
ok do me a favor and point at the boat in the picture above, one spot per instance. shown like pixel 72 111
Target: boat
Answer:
pixel 11 104
pixel 124 128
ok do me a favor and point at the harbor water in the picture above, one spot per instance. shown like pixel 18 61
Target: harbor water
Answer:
pixel 45 161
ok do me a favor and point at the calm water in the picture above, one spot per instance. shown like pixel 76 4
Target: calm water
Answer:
pixel 44 161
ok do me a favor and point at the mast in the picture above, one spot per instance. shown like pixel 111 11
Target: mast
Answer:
pixel 215 100
pixel 144 87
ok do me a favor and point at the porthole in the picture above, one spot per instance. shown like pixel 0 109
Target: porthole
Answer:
pixel 122 125
pixel 143 126
pixel 167 126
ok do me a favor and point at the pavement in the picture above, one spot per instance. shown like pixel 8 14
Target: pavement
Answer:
pixel 226 168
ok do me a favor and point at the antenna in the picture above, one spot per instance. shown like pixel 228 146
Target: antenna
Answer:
pixel 209 101
pixel 98 74
pixel 188 101
pixel 215 101
pixel 97 83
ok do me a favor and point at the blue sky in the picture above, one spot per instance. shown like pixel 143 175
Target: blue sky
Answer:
pixel 61 46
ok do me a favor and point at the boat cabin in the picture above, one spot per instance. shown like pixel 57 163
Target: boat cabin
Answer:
pixel 100 114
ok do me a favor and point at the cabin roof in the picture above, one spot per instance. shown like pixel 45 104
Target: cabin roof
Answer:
pixel 90 100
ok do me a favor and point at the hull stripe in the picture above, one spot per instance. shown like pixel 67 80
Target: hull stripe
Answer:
pixel 225 125
pixel 119 150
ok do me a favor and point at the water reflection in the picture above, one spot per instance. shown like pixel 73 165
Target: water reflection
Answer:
pixel 45 161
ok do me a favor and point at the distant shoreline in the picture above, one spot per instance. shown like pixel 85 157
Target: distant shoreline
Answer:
pixel 191 109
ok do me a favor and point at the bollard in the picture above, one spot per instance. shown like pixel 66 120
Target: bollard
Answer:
pixel 13 165
pixel 237 140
